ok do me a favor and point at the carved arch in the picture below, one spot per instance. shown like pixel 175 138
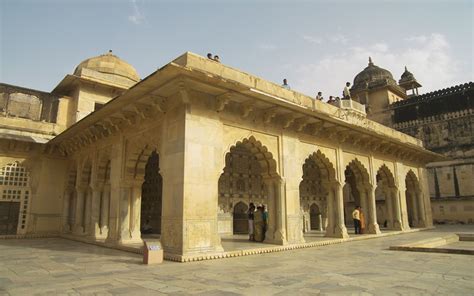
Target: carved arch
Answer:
pixel 411 181
pixel 265 158
pixel 103 167
pixel 359 170
pixel 326 169
pixel 86 172
pixel 386 175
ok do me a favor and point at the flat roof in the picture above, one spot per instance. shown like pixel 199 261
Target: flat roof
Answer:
pixel 208 71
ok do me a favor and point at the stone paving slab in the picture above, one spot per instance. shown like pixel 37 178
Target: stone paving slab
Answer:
pixel 451 243
pixel 364 267
pixel 238 245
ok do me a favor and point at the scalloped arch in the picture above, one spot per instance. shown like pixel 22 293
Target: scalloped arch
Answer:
pixel 324 164
pixel 264 157
pixel 385 173
pixel 359 170
pixel 411 180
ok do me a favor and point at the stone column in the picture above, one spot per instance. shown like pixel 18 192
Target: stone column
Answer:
pixel 279 195
pixel 104 215
pixel 66 204
pixel 425 197
pixel 340 229
pixel 330 212
pixel 364 204
pixel 88 212
pixel 124 215
pixel 421 209
pixel 373 226
pixel 113 215
pixel 324 215
pixel 389 207
pixel 320 223
pixel 72 209
pixel 94 229
pixel 117 160
pixel 275 233
pixel 135 211
pixel 397 219
pixel 414 208
pixel 269 234
pixel 78 217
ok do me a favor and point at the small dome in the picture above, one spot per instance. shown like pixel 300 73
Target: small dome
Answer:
pixel 371 74
pixel 109 64
pixel 406 76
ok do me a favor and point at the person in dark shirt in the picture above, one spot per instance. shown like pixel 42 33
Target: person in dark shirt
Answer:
pixel 250 214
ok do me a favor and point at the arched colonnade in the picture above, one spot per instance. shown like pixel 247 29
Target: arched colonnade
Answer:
pixel 327 194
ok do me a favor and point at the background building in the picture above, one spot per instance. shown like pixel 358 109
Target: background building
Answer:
pixel 442 119
pixel 187 149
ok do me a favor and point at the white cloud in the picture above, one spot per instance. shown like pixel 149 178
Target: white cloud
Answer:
pixel 381 47
pixel 428 57
pixel 266 46
pixel 421 38
pixel 311 39
pixel 339 38
pixel 137 17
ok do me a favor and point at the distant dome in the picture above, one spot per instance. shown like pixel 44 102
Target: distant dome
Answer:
pixel 406 76
pixel 109 64
pixel 372 74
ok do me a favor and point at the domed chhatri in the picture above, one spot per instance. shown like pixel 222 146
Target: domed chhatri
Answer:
pixel 112 67
pixel 408 81
pixel 406 76
pixel 372 74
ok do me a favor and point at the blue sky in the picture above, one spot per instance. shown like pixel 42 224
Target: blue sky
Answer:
pixel 316 45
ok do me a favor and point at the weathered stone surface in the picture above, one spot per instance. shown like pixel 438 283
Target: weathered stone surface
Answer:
pixel 219 139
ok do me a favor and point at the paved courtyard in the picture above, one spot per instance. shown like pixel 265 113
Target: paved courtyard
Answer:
pixel 59 266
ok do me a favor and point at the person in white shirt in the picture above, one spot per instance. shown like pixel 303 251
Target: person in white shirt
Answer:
pixel 356 218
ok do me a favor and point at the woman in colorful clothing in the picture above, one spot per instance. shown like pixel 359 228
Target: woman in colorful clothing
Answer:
pixel 362 221
pixel 259 224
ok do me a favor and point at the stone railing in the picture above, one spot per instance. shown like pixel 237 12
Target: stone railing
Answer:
pixel 430 119
pixel 352 105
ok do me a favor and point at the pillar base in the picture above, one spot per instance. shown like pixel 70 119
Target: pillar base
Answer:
pixel 78 230
pixel 340 232
pixel 420 224
pixel 329 234
pixel 276 238
pixel 374 229
pixel 130 241
pixel 397 225
pixel 136 235
pixel 98 236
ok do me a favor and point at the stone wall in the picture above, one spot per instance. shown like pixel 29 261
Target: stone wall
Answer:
pixel 451 134
pixel 444 121
pixel 26 103
pixel 32 176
